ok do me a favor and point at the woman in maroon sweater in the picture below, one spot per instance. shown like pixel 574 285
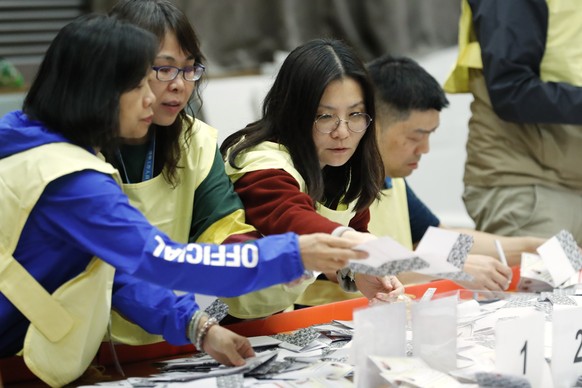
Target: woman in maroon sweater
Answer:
pixel 311 163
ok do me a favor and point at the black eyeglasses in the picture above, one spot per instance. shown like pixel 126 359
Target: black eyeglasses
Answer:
pixel 356 122
pixel 169 73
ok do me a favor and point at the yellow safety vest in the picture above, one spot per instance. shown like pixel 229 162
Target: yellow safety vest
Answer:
pixel 170 209
pixel 389 215
pixel 269 155
pixel 66 328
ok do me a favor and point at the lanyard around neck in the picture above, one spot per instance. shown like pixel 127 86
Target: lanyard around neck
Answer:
pixel 148 167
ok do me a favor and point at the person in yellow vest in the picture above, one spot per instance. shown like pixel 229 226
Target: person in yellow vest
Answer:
pixel 175 173
pixel 311 164
pixel 408 105
pixel 69 239
pixel 522 62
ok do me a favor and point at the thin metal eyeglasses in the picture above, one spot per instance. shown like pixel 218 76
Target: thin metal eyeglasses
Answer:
pixel 169 73
pixel 356 122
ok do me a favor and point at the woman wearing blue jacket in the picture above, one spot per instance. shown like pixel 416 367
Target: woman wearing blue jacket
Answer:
pixel 69 238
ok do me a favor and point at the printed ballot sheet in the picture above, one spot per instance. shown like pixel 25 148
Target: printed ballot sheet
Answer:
pixel 557 265
pixel 441 252
pixel 561 257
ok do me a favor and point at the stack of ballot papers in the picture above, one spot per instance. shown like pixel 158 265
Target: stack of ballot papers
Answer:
pixel 313 356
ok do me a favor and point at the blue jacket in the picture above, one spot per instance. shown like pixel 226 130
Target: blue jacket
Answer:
pixel 86 214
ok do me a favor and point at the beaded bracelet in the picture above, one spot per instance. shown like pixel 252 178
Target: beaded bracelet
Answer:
pixel 203 331
pixel 192 333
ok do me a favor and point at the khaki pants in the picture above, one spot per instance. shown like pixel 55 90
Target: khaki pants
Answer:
pixel 533 210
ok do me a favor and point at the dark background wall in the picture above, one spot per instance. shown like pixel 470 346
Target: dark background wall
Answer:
pixel 242 34
pixel 239 35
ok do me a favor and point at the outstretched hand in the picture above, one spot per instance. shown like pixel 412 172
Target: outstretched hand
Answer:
pixel 325 253
pixel 227 347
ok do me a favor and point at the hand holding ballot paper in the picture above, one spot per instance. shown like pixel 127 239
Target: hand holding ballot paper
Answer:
pixel 440 253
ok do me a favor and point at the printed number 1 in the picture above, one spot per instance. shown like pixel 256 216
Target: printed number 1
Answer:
pixel 524 352
pixel 578 358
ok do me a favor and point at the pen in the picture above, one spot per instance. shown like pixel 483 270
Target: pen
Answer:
pixel 501 253
pixel 502 258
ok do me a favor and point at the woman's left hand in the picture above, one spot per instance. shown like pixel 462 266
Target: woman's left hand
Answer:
pixel 379 289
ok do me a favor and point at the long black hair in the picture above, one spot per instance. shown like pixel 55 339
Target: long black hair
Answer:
pixel 90 63
pixel 289 111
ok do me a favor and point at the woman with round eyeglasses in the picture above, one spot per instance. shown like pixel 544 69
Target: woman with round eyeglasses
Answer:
pixel 175 173
pixel 311 164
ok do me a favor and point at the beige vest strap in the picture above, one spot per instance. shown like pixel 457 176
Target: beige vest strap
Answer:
pixel 51 319
pixel 267 155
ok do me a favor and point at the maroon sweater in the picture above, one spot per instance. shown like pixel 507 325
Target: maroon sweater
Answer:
pixel 274 204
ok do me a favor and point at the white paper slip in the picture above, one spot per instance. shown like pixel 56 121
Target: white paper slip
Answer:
pixel 445 250
pixel 386 257
pixel 534 276
pixel 348 324
pixel 263 340
pixel 411 371
pixel 561 256
pixel 382 250
pixel 440 252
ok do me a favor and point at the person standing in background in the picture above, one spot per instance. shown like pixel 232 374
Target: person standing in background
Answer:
pixel 522 61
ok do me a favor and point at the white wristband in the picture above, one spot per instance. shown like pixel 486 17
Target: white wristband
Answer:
pixel 337 232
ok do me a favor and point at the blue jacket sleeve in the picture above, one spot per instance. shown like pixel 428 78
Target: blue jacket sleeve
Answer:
pixel 155 308
pixel 88 210
pixel 512 36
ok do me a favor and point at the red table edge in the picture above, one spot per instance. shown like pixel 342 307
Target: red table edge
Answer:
pixel 13 369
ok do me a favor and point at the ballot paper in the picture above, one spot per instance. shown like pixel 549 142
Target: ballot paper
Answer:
pixel 301 340
pixel 440 253
pixel 557 265
pixel 534 276
pixel 562 257
pixel 192 370
pixel 263 341
pixel 413 372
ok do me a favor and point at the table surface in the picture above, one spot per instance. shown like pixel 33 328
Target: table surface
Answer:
pixel 137 361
